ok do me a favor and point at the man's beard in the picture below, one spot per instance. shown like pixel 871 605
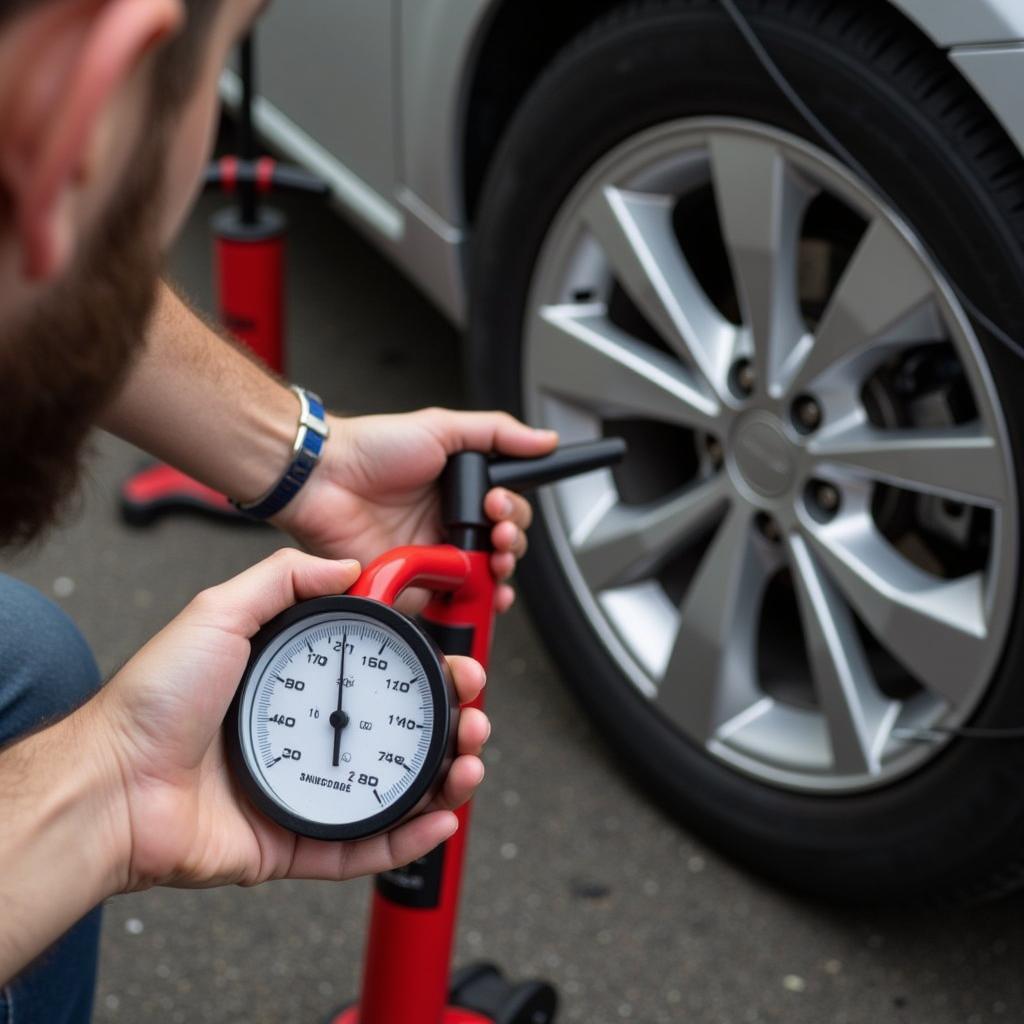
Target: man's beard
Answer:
pixel 64 362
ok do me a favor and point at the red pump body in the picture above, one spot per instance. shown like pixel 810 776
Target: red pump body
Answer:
pixel 250 277
pixel 408 953
pixel 406 976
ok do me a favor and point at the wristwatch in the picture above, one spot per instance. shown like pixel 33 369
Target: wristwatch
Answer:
pixel 309 444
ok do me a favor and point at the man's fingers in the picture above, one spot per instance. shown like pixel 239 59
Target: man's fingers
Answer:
pixel 315 859
pixel 474 730
pixel 339 861
pixel 466 773
pixel 506 537
pixel 414 839
pixel 489 432
pixel 413 600
pixel 500 504
pixel 468 676
pixel 504 598
pixel 503 564
pixel 246 602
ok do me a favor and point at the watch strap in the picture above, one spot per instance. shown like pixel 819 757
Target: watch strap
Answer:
pixel 310 436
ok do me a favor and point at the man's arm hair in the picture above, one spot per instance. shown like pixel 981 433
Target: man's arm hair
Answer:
pixel 196 400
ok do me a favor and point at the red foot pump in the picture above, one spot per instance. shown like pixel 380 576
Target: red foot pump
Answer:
pixel 406 976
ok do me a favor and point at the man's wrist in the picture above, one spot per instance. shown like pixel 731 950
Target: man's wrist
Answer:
pixel 81 750
pixel 67 845
pixel 105 789
pixel 270 433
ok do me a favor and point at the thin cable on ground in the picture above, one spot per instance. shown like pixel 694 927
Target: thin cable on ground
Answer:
pixel 932 734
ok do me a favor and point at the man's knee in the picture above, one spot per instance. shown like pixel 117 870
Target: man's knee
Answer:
pixel 46 667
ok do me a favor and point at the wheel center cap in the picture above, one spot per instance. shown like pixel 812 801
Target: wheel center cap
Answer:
pixel 763 455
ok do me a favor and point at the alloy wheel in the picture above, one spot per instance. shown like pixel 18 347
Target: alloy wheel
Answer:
pixel 810 551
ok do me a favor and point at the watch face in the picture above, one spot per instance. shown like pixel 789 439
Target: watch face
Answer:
pixel 344 720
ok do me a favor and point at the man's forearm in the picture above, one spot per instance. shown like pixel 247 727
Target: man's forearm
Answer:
pixel 63 831
pixel 198 402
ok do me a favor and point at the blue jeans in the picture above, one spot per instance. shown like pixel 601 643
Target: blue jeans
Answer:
pixel 48 670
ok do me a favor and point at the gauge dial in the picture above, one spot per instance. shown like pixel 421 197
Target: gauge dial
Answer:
pixel 344 722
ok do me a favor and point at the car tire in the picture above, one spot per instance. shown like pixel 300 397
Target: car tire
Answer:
pixel 953 827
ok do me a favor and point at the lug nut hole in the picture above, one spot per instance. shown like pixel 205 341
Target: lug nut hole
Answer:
pixel 714 450
pixel 806 414
pixel 742 378
pixel 822 500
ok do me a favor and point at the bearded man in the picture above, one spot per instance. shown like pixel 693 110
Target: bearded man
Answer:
pixel 107 109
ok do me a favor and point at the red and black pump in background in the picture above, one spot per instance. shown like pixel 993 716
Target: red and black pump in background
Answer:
pixel 250 252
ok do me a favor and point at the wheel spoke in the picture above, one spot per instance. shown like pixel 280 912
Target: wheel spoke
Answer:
pixel 711 673
pixel 858 716
pixel 961 462
pixel 883 285
pixel 761 203
pixel 635 232
pixel 935 628
pixel 620 543
pixel 580 354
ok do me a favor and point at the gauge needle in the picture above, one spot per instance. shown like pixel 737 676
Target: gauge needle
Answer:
pixel 339 719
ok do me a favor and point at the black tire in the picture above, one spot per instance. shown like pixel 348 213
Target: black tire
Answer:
pixel 955 828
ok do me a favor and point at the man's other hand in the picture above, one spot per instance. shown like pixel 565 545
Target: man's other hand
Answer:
pixel 376 487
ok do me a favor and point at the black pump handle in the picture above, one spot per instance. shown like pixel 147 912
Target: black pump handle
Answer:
pixel 283 178
pixel 570 460
pixel 470 475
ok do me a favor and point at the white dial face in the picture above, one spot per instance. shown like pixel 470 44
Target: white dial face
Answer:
pixel 331 761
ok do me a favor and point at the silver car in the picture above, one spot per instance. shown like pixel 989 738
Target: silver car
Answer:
pixel 795 610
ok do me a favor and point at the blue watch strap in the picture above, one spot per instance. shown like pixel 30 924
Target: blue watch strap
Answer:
pixel 309 443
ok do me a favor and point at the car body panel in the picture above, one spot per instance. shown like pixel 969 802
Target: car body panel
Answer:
pixel 338 93
pixel 962 22
pixel 380 218
pixel 997 74
pixel 389 135
pixel 434 94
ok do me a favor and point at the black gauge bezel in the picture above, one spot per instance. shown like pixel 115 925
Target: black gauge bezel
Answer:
pixel 442 743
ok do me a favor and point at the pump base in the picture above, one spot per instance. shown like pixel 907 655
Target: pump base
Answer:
pixel 158 489
pixel 480 994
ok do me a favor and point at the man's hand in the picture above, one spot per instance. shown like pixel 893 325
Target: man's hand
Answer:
pixel 183 821
pixel 376 486
pixel 132 790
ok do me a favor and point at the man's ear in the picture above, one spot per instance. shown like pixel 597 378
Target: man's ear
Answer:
pixel 65 67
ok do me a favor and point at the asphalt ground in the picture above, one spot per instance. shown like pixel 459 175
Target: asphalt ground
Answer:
pixel 573 875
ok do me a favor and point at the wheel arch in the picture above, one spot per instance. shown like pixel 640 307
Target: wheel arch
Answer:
pixel 516 39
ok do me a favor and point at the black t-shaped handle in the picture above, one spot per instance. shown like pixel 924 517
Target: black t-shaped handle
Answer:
pixel 470 475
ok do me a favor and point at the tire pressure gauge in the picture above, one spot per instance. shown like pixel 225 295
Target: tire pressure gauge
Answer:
pixel 344 723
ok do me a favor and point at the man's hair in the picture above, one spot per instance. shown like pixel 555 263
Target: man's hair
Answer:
pixel 177 62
